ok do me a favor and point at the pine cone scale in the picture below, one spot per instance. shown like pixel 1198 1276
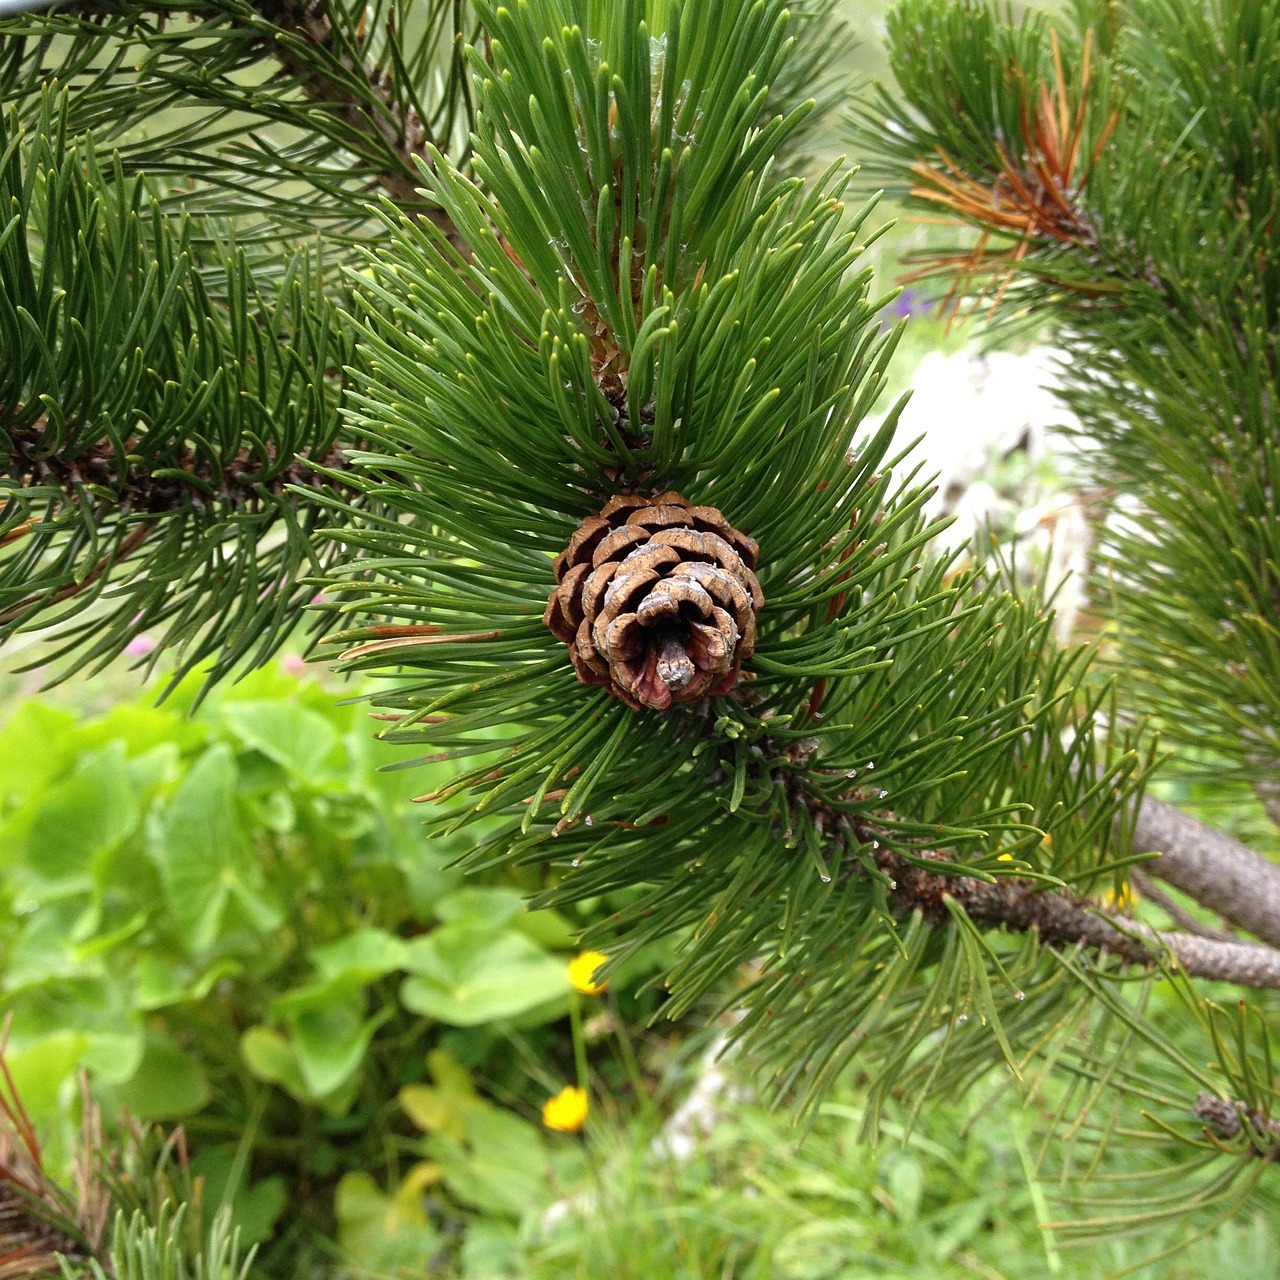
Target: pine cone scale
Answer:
pixel 596 589
pixel 649 556
pixel 618 542
pixel 663 603
pixel 708 646
pixel 583 543
pixel 657 601
pixel 674 667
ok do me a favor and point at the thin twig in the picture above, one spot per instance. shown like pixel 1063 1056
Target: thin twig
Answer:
pixel 128 545
pixel 397 127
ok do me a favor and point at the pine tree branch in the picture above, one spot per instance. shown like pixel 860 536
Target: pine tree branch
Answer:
pixel 149 449
pixel 395 126
pixel 1064 921
pixel 243 483
pixel 287 115
pixel 1215 869
pixel 1147 890
pixel 126 546
pixel 160 483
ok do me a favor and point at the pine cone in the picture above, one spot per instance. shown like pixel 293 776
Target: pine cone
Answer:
pixel 657 600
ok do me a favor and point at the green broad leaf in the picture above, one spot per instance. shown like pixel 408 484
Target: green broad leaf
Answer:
pixel 496 906
pixel 271 1057
pixel 444 1107
pixel 318 1062
pixel 274 683
pixel 340 815
pixel 316 996
pixel 490 1251
pixel 427 878
pixel 466 973
pixel 45 950
pixel 366 954
pixel 342 1099
pixel 168 1084
pixel 79 822
pixel 548 929
pixel 97 944
pixel 358 1203
pixel 33 750
pixel 150 770
pixel 384 1234
pixel 501 1167
pixel 258 776
pixel 256 903
pixel 160 981
pixel 432 1111
pixel 276 811
pixel 542 1013
pixel 204 858
pixel 115 1056
pixel 295 738
pixel 331 1041
pixel 39 1070
pixel 142 728
pixel 255 1206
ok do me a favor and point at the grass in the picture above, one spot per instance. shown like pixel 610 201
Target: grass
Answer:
pixel 760 1200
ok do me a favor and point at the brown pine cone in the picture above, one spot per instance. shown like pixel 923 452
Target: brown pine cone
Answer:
pixel 657 600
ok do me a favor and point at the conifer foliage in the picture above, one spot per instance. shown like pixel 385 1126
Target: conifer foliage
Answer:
pixel 173 349
pixel 674 318
pixel 1118 178
pixel 1123 177
pixel 514 327
pixel 151 429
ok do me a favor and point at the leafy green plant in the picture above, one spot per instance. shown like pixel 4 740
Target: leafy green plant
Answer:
pixel 233 921
pixel 502 1167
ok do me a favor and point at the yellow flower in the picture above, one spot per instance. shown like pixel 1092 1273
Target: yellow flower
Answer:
pixel 582 972
pixel 1122 901
pixel 567 1111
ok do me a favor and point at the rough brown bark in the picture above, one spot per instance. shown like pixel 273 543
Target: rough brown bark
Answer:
pixel 1146 889
pixel 1064 921
pixel 1215 869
